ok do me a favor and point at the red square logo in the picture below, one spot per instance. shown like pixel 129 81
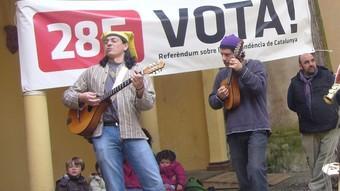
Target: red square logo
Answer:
pixel 69 40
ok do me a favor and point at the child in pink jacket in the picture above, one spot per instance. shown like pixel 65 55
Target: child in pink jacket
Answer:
pixel 172 172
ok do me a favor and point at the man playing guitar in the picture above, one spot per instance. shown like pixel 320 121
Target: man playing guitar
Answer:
pixel 118 134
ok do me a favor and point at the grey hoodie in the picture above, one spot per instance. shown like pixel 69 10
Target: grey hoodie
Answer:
pixel 251 114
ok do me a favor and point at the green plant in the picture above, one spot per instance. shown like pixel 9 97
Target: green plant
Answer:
pixel 285 153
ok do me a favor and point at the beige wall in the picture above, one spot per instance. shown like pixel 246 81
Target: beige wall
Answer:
pixel 181 118
pixel 279 74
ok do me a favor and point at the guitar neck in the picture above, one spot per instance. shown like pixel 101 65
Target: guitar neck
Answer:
pixel 147 70
pixel 229 77
pixel 116 89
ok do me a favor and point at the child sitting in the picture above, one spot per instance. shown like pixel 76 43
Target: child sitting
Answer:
pixel 172 172
pixel 73 180
pixel 96 181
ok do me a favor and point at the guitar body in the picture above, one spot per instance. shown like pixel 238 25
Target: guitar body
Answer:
pixel 233 100
pixel 84 122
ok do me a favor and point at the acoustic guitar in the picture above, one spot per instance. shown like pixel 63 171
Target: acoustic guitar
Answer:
pixel 84 121
pixel 231 82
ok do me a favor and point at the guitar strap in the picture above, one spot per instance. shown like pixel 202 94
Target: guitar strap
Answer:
pixel 121 73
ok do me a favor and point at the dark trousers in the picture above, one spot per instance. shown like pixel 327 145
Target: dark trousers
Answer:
pixel 248 157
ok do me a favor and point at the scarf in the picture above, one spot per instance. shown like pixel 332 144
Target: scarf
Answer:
pixel 307 79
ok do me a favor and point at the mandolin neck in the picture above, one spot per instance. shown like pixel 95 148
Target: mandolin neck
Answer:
pixel 116 89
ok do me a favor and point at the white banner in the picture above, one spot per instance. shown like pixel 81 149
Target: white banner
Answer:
pixel 59 39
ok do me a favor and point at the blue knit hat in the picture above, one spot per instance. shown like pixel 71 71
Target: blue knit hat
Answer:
pixel 230 42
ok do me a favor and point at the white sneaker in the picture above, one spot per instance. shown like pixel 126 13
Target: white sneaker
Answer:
pixel 331 168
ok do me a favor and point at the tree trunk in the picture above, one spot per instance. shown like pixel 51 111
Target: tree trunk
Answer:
pixel 318 35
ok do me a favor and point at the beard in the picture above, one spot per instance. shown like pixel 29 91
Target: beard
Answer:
pixel 311 70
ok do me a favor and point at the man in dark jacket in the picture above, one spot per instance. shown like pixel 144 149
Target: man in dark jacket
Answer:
pixel 247 124
pixel 317 119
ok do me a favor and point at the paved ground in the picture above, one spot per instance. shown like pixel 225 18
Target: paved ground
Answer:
pixel 295 182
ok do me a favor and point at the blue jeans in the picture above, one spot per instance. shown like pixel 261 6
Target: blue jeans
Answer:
pixel 110 152
pixel 248 157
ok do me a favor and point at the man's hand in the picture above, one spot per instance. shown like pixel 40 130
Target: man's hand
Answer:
pixel 222 93
pixel 138 82
pixel 89 98
pixel 235 64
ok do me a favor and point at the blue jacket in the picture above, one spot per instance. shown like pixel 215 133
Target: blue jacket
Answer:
pixel 322 116
pixel 251 114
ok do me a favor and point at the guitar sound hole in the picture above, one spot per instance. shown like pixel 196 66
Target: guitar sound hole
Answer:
pixel 89 108
pixel 69 120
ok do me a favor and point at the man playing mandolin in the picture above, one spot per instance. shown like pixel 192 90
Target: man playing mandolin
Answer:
pixel 246 116
pixel 118 134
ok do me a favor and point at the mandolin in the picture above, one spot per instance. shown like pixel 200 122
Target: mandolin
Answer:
pixel 231 82
pixel 84 121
